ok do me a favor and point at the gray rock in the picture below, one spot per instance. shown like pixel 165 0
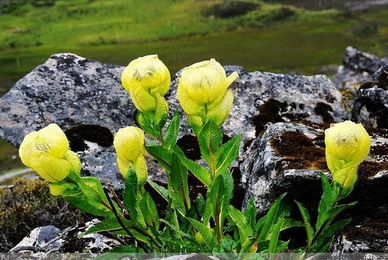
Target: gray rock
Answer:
pixel 262 97
pixel 285 158
pixel 371 101
pixel 82 96
pixel 48 240
pixel 357 68
pixel 290 157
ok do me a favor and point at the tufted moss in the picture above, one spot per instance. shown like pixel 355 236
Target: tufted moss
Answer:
pixel 27 204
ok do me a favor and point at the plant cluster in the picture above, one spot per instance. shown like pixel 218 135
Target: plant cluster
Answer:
pixel 205 222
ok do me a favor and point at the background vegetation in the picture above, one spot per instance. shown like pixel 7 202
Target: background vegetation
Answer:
pixel 250 33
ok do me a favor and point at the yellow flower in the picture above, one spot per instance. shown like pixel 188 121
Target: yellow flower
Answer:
pixel 203 91
pixel 347 145
pixel 129 145
pixel 47 152
pixel 143 78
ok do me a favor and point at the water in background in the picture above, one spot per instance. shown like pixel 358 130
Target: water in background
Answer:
pixel 354 5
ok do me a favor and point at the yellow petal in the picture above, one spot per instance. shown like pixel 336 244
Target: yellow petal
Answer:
pixel 346 176
pixel 52 140
pixel 51 168
pixel 129 144
pixel 27 147
pixel 219 113
pixel 123 166
pixel 74 161
pixel 141 98
pixel 141 169
pixel 188 105
pixel 146 76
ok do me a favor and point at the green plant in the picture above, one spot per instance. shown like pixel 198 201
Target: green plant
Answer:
pixel 204 223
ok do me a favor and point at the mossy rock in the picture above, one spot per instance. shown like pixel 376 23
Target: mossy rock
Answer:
pixel 27 204
pixel 229 8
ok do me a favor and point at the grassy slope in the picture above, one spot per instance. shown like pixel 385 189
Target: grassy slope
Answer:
pixel 117 31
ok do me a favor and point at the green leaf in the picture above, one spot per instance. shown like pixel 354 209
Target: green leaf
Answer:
pixel 201 173
pixel 291 223
pixel 149 211
pixel 119 253
pixel 145 120
pixel 275 236
pixel 326 200
pixel 172 131
pixel 251 213
pixel 272 215
pixel 306 223
pixel 323 242
pixel 130 193
pixel 208 234
pixel 209 139
pixel 162 155
pixel 228 152
pixel 179 184
pixel 107 225
pixel 241 222
pixel 159 189
pixel 94 195
pixel 332 212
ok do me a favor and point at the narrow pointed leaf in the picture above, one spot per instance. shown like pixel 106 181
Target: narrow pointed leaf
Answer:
pixel 228 152
pixel 172 130
pixel 306 223
pixel 162 155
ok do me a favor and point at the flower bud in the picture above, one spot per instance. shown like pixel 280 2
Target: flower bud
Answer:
pixel 129 145
pixel 47 152
pixel 203 91
pixel 143 78
pixel 347 145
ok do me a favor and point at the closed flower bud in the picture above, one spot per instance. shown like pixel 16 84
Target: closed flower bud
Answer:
pixel 143 78
pixel 47 152
pixel 347 145
pixel 129 145
pixel 203 91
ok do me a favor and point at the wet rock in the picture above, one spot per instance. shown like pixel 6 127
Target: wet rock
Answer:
pixel 370 104
pixel 47 240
